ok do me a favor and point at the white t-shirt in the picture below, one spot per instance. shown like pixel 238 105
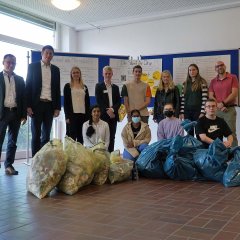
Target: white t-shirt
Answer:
pixel 102 133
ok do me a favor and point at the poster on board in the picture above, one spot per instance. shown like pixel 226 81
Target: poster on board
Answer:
pixel 206 66
pixel 88 66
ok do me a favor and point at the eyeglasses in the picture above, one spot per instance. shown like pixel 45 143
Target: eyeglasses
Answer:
pixel 10 62
pixel 211 106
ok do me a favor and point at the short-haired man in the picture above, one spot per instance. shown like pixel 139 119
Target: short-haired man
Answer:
pixel 170 126
pixel 210 126
pixel 224 88
pixel 108 98
pixel 43 97
pixel 137 95
pixel 12 109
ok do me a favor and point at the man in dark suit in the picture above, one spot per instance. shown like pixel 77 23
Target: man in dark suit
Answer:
pixel 12 109
pixel 43 97
pixel 109 100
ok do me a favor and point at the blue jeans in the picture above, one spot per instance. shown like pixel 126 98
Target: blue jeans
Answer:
pixel 11 121
pixel 127 155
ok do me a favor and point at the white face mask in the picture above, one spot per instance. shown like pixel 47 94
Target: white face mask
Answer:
pixel 136 119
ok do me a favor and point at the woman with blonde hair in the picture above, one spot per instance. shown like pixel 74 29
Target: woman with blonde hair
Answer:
pixel 167 92
pixel 76 104
pixel 194 95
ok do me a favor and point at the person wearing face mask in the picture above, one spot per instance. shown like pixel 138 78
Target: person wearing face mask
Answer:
pixel 136 136
pixel 167 92
pixel 170 126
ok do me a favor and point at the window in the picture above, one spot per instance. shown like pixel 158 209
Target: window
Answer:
pixel 21 69
pixel 23 32
pixel 20 29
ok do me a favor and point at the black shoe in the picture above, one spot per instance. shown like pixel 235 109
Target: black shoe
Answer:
pixel 11 171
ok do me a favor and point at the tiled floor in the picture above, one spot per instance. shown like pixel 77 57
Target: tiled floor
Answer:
pixel 146 209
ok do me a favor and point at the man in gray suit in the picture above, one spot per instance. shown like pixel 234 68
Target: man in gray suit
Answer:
pixel 12 109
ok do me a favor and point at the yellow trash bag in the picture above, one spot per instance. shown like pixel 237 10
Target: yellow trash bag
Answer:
pixel 47 167
pixel 80 167
pixel 122 112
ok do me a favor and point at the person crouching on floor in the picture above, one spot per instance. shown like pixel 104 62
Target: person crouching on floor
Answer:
pixel 136 136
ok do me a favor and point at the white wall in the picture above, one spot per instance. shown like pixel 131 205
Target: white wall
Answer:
pixel 67 40
pixel 217 30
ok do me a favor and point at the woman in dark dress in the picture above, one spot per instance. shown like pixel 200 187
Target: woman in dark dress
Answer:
pixel 76 104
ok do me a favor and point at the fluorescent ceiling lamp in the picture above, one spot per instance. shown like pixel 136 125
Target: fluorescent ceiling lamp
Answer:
pixel 66 5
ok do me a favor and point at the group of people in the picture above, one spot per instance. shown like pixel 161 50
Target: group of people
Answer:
pixel 40 99
pixel 213 108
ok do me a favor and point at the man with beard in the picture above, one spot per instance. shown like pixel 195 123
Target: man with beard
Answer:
pixel 224 89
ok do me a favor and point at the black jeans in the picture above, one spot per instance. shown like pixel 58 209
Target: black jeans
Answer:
pixel 41 125
pixel 11 121
pixel 112 123
pixel 74 128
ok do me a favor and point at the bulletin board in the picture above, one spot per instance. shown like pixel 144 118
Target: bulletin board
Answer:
pixel 178 64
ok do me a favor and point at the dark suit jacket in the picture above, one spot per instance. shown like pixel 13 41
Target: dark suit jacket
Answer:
pixel 20 96
pixel 103 101
pixel 68 107
pixel 34 86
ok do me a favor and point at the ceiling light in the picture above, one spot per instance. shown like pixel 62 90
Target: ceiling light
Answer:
pixel 66 5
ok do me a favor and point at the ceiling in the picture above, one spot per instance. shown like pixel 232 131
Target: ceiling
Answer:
pixel 106 13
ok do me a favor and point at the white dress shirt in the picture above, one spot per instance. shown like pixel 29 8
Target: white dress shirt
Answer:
pixel 10 91
pixel 46 82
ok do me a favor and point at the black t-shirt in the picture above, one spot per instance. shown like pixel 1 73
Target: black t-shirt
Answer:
pixel 135 130
pixel 213 129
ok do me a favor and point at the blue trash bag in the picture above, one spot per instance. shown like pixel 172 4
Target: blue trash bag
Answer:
pixel 190 143
pixel 150 161
pixel 179 167
pixel 231 177
pixel 211 162
pixel 188 125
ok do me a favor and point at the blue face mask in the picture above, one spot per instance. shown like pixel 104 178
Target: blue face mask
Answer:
pixel 136 119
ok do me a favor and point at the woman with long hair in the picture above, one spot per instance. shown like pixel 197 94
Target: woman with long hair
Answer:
pixel 167 92
pixel 194 95
pixel 95 130
pixel 76 104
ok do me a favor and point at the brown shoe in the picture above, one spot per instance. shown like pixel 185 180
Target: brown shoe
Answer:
pixel 11 171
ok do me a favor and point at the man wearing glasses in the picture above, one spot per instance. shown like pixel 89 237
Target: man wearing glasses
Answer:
pixel 224 89
pixel 210 126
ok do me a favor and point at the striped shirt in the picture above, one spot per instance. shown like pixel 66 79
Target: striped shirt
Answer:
pixel 204 94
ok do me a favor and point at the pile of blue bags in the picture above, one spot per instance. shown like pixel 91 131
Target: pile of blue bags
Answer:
pixel 184 158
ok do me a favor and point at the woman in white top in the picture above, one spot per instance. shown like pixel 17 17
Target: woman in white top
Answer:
pixel 76 105
pixel 95 130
